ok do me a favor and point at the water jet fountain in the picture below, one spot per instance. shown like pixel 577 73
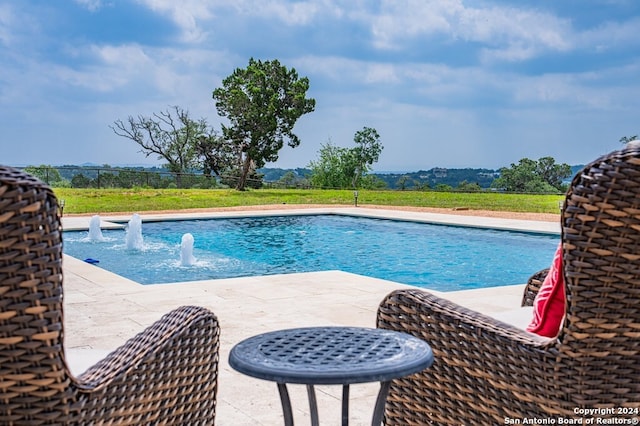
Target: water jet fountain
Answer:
pixel 95 233
pixel 186 250
pixel 134 233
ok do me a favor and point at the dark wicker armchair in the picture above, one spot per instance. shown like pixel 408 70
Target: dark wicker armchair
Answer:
pixel 165 375
pixel 486 372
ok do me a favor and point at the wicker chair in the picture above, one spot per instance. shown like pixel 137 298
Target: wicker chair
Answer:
pixel 165 375
pixel 486 372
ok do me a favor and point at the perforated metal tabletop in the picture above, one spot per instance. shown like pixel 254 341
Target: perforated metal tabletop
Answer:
pixel 331 356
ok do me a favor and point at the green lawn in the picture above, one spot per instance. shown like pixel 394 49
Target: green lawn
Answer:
pixel 139 200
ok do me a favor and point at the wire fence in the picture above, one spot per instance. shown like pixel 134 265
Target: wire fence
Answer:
pixel 157 178
pixel 114 177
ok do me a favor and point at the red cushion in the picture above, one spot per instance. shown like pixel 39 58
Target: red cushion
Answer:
pixel 549 304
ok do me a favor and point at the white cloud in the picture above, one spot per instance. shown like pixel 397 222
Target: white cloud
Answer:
pixel 187 14
pixel 192 16
pixel 515 35
pixel 117 66
pixel 510 33
pixel 295 13
pixel 579 91
pixel 195 16
pixel 400 20
pixel 91 5
pixel 18 28
pixel 6 22
pixel 435 81
pixel 380 73
pixel 514 25
pixel 125 56
pixel 473 87
pixel 611 35
pixel 291 14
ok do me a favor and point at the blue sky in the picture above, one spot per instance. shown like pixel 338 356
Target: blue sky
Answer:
pixel 446 83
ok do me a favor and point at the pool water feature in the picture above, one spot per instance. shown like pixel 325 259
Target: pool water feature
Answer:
pixel 95 233
pixel 186 250
pixel 133 233
pixel 439 257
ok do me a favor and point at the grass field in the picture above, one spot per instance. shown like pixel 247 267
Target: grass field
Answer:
pixel 78 201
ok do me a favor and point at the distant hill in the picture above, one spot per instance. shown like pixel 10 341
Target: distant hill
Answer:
pixel 439 176
pixel 406 180
pixel 414 180
pixel 394 180
pixel 275 174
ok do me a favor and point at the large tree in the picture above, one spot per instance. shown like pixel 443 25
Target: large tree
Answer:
pixel 331 169
pixel 544 175
pixel 171 135
pixel 262 103
pixel 48 174
pixel 216 155
pixel 366 152
pixel 339 167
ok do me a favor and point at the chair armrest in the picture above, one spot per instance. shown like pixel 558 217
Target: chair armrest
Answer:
pixel 484 370
pixel 169 372
pixel 533 286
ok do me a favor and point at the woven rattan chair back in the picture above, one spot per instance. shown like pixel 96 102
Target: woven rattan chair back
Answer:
pixel 488 372
pixel 33 368
pixel 599 352
pixel 167 374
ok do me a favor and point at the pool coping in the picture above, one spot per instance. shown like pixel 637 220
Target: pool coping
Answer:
pixel 108 221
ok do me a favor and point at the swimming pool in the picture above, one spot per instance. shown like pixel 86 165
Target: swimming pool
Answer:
pixel 439 257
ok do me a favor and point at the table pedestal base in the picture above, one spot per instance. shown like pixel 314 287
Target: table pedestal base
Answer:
pixel 378 412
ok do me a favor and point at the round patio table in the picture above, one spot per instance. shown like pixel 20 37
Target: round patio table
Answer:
pixel 331 356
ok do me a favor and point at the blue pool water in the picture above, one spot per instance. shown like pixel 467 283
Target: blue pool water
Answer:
pixel 440 257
